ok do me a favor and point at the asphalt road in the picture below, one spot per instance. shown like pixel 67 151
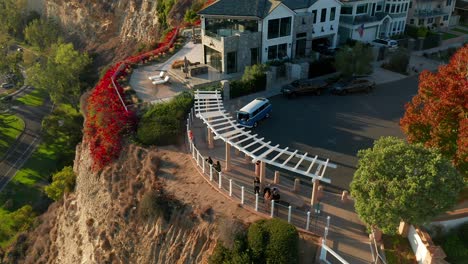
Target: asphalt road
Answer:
pixel 336 127
pixel 20 151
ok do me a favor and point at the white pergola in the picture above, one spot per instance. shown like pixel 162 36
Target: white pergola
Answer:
pixel 209 108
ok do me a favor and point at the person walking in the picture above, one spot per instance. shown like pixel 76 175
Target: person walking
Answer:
pixel 256 185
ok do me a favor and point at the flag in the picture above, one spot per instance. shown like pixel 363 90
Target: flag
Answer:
pixel 361 30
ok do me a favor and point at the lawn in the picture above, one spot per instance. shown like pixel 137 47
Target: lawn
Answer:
pixel 448 36
pixel 460 30
pixel 11 127
pixel 398 250
pixel 35 98
pixel 28 184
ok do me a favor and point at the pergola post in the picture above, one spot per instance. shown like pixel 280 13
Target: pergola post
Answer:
pixel 315 191
pixel 228 157
pixel 262 171
pixel 210 138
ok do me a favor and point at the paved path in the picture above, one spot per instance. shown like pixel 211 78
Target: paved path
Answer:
pixel 26 143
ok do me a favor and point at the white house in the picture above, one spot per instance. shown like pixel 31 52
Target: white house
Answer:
pixel 237 33
pixel 430 13
pixel 366 20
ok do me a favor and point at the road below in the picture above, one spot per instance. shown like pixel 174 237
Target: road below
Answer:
pixel 336 127
pixel 20 151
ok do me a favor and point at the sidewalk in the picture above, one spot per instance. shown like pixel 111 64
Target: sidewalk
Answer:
pixel 347 235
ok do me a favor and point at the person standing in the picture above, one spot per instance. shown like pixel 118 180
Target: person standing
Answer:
pixel 218 166
pixel 256 185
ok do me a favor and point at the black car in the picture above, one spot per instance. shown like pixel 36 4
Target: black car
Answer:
pixel 343 87
pixel 304 87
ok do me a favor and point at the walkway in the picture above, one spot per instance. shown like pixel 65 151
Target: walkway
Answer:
pixel 347 234
pixel 26 143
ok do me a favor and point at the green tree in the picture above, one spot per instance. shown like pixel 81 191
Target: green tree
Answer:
pixel 397 182
pixel 356 60
pixel 41 33
pixel 62 74
pixel 13 16
pixel 23 218
pixel 62 182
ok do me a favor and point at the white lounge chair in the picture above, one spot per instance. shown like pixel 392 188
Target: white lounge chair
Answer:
pixel 162 81
pixel 155 77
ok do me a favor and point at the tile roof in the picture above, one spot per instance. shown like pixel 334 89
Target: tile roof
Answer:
pixel 251 8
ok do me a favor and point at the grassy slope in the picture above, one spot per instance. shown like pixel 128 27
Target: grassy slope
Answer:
pixel 11 127
pixel 35 98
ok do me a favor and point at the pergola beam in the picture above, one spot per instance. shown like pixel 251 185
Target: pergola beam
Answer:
pixel 280 153
pixel 264 154
pixel 300 161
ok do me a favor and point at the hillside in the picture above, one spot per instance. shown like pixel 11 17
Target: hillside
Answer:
pixel 104 221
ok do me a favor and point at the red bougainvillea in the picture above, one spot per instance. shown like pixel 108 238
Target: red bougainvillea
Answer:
pixel 438 115
pixel 107 119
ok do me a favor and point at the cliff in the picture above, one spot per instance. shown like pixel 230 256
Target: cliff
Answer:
pixel 111 29
pixel 106 219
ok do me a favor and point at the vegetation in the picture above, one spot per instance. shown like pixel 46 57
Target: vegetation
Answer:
pixel 62 182
pixel 461 30
pixel 17 221
pixel 157 203
pixel 436 116
pixel 42 33
pixel 191 13
pixel 416 32
pixel 164 7
pixel 13 17
pixel 11 127
pixel 322 67
pixel 253 80
pixel 266 241
pixel 447 35
pixel 163 124
pixel 397 182
pixel 454 243
pixel 355 60
pixel 398 250
pixel 34 98
pixel 62 74
pixel 398 62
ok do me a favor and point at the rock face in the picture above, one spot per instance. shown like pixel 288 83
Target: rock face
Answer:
pixel 113 29
pixel 101 221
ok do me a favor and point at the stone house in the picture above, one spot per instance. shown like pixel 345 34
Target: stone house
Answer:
pixel 430 13
pixel 238 33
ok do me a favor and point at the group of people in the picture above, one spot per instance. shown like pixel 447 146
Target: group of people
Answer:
pixel 216 166
pixel 269 193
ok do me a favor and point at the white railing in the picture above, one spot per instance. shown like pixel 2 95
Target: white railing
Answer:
pixel 305 220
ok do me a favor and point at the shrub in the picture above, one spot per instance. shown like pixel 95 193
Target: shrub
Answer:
pixel 62 182
pixel 321 67
pixel 283 242
pixel 355 60
pixel 398 62
pixel 253 80
pixel 163 123
pixel 154 204
pixel 258 239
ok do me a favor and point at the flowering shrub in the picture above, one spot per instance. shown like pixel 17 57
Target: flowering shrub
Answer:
pixel 107 118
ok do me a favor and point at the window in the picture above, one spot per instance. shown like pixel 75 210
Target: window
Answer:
pixel 410 4
pixel 393 9
pixel 314 13
pixel 446 18
pixel 411 21
pixel 421 21
pixel 285 26
pixel 323 15
pixel 280 27
pixel 253 56
pixel 301 35
pixel 430 20
pixel 449 2
pixel 277 51
pixel 282 51
pixel 398 9
pixel 361 9
pixel 273 28
pixel 379 7
pixel 272 52
pixel 347 10
pixel 387 8
pixel 332 13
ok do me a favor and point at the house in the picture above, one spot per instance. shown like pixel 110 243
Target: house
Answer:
pixel 430 13
pixel 461 10
pixel 366 20
pixel 238 33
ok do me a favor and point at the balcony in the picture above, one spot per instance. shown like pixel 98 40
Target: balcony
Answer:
pixel 430 13
pixel 225 40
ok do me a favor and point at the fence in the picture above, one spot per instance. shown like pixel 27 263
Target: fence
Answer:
pixel 306 220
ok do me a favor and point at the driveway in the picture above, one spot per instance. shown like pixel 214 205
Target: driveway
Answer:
pixel 336 127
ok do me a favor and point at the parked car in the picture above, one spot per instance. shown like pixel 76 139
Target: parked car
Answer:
pixel 303 87
pixel 388 43
pixel 7 85
pixel 352 85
